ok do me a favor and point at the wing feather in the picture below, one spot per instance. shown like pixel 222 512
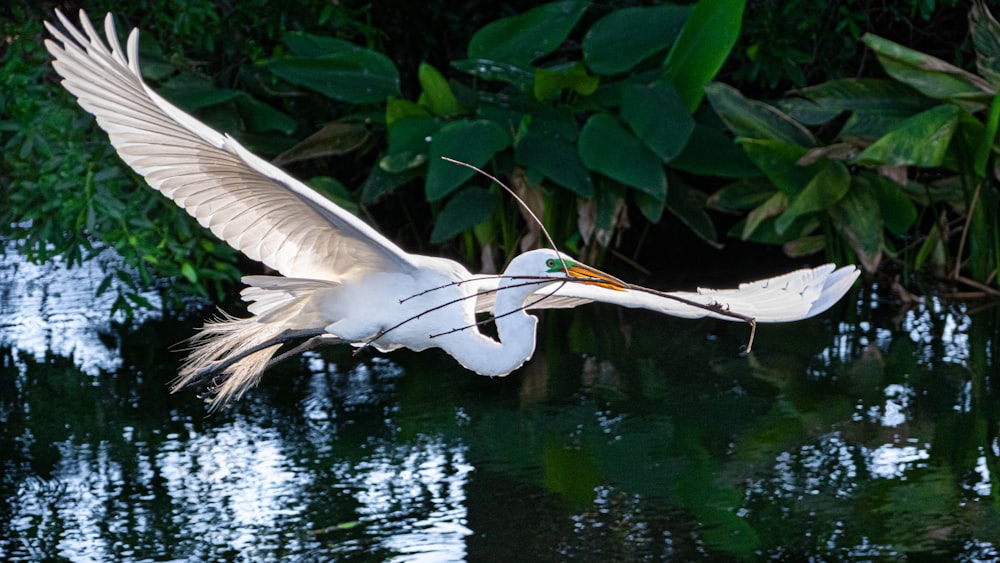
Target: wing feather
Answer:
pixel 246 201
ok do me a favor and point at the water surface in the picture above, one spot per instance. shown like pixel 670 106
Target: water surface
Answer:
pixel 869 433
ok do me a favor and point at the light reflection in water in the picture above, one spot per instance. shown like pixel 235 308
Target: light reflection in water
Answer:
pixel 828 466
pixel 237 474
pixel 414 497
pixel 234 490
pixel 52 309
pixel 358 461
pixel 889 461
pixel 230 488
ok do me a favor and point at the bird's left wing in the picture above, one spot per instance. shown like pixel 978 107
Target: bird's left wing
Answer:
pixel 789 297
pixel 249 203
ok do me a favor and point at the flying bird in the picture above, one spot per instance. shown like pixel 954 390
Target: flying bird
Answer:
pixel 341 281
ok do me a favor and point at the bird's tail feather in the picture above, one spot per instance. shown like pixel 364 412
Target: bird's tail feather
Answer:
pixel 230 355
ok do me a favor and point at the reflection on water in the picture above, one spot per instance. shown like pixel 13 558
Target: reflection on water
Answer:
pixel 868 434
pixel 415 496
pixel 52 309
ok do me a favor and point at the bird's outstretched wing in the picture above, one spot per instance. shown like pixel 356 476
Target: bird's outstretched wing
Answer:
pixel 249 203
pixel 789 297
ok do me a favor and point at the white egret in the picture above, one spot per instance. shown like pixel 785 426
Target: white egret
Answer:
pixel 341 281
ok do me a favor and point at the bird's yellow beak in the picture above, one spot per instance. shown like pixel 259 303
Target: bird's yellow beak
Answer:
pixel 593 276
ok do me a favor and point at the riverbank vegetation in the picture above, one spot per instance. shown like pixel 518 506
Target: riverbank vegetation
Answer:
pixel 655 137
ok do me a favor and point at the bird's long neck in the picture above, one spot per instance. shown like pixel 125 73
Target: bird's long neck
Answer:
pixel 515 329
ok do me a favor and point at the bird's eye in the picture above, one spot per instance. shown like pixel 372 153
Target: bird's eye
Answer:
pixel 550 263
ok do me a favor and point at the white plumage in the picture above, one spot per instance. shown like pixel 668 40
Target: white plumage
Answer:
pixel 342 281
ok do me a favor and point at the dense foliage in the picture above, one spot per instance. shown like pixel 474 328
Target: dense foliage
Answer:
pixel 593 114
pixel 900 167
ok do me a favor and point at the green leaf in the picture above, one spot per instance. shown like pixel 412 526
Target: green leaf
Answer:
pixel 764 232
pixel 412 134
pixel 380 183
pixel 555 122
pixel 740 196
pixel 309 45
pixel 869 126
pixel 831 182
pixel 155 65
pixel 335 192
pixel 575 78
pixel 189 272
pixel 688 205
pixel 755 120
pixel 399 108
pixel 710 153
pixel 440 99
pixel 988 139
pixel 508 119
pixel 921 140
pixel 871 101
pixel 397 163
pixel 358 76
pixel 656 114
pixel 610 199
pixel 627 36
pixel 193 92
pixel 931 76
pixel 607 147
pixel 983 236
pixel 555 158
pixel 259 116
pixel 859 221
pixel 470 141
pixel 804 246
pixel 986 36
pixel 897 209
pixel 523 38
pixel 651 209
pixel 465 210
pixel 520 76
pixel 774 206
pixel 108 278
pixel 337 138
pixel 409 143
pixel 933 250
pixel 703 45
pixel 780 163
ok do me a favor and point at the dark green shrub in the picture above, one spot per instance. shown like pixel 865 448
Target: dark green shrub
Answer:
pixel 908 172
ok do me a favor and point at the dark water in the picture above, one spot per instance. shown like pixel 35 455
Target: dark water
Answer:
pixel 870 433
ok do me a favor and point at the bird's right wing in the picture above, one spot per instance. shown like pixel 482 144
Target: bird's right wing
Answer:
pixel 789 297
pixel 247 202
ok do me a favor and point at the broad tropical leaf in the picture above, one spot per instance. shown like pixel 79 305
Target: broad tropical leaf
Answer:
pixel 607 147
pixel 624 38
pixel 521 39
pixel 703 45
pixel 464 210
pixel 470 141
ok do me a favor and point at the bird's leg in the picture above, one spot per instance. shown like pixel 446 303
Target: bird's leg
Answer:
pixel 311 344
pixel 753 332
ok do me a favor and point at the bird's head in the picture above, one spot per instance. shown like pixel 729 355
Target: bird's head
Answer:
pixel 556 265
